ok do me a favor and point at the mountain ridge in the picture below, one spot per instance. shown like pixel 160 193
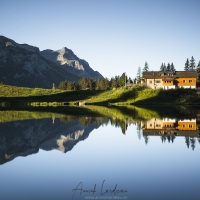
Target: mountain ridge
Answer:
pixel 26 65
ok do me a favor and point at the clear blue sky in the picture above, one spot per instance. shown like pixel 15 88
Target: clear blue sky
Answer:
pixel 114 36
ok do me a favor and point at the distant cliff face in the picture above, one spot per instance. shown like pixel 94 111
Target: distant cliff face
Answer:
pixel 67 59
pixel 25 65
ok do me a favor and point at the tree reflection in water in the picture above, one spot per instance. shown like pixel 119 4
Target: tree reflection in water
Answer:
pixel 24 132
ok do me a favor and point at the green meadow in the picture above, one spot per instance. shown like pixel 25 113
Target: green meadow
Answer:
pixel 136 95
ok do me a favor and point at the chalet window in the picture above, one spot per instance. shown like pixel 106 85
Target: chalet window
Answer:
pixel 190 81
pixel 190 125
pixel 150 82
pixel 184 81
pixel 183 125
pixel 157 81
pixel 150 125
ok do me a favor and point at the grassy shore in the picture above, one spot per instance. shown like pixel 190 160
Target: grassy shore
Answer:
pixel 136 95
pixel 13 91
pixel 116 113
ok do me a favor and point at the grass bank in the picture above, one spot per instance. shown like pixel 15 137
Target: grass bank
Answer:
pixel 136 95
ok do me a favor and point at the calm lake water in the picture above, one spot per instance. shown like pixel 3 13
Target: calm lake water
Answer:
pixel 61 157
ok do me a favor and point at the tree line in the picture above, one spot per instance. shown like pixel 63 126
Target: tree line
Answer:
pixel 96 84
pixel 190 65
pixel 120 81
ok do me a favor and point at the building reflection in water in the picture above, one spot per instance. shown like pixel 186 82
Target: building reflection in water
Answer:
pixel 168 129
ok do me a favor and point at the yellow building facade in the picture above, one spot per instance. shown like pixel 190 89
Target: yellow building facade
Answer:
pixel 167 126
pixel 170 80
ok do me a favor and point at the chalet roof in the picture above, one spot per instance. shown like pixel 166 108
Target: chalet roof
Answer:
pixel 171 74
pixel 183 74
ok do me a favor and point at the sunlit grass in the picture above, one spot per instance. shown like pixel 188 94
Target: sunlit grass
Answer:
pixel 13 91
pixel 123 113
pixel 112 112
pixel 123 96
pixel 120 96
pixel 12 115
pixel 147 113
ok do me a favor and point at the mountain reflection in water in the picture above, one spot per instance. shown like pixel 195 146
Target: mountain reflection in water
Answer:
pixel 23 133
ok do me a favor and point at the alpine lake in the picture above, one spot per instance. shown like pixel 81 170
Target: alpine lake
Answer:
pixel 92 152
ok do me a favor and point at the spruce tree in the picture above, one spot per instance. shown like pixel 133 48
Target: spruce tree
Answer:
pixel 162 68
pixel 198 68
pixel 146 67
pixel 168 67
pixel 172 68
pixel 192 64
pixel 113 83
pixel 122 79
pixel 187 63
pixel 198 74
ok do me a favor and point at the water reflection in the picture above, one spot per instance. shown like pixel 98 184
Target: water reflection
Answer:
pixel 168 129
pixel 23 133
pixel 45 154
pixel 22 138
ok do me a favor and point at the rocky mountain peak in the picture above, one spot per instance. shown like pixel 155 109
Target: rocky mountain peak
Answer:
pixel 65 57
pixel 26 65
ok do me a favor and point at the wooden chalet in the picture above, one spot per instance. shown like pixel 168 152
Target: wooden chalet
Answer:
pixel 170 79
pixel 173 127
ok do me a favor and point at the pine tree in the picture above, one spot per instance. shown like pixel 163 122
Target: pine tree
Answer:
pixel 146 139
pixel 83 83
pixel 172 68
pixel 187 141
pixel 130 80
pixel 168 67
pixel 193 142
pixel 63 85
pixel 187 63
pixel 146 67
pixel 198 66
pixel 113 83
pixel 69 85
pixel 198 74
pixel 122 79
pixel 192 64
pixel 162 68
